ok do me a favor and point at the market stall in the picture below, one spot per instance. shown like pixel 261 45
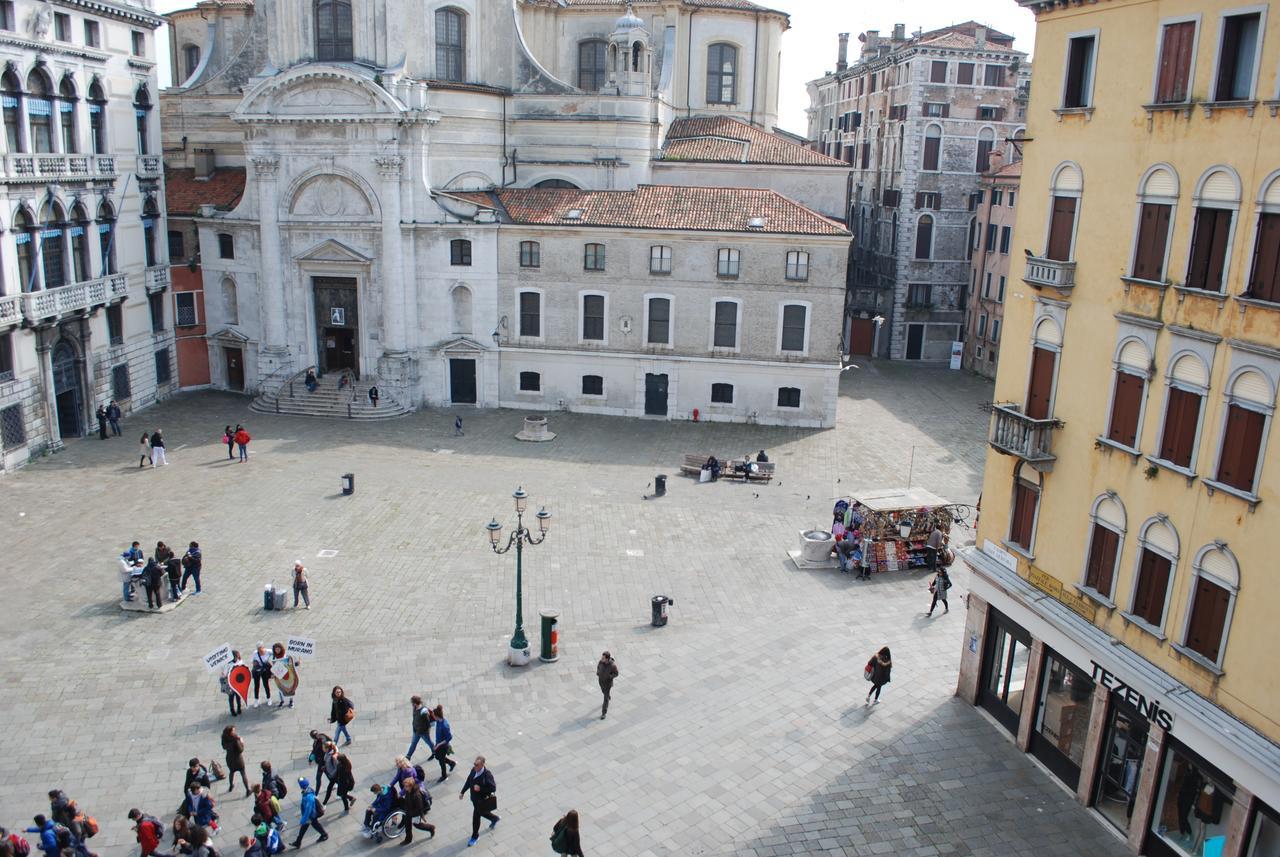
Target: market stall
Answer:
pixel 895 525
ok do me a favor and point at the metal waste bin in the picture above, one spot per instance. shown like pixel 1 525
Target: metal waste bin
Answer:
pixel 660 484
pixel 348 483
pixel 660 604
pixel 550 636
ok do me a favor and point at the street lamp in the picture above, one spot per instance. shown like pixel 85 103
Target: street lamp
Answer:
pixel 519 654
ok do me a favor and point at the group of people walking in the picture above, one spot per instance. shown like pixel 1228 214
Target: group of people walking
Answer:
pixel 164 566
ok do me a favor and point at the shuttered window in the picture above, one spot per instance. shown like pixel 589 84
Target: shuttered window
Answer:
pixel 530 314
pixel 1126 405
pixel 659 321
pixel 1181 417
pixel 1023 518
pixel 593 317
pixel 938 72
pixel 1061 226
pixel 1241 445
pixel 1153 238
pixel 1078 91
pixel 1040 388
pixel 1264 278
pixel 932 148
pixel 1209 248
pixel 1175 62
pixel 1100 569
pixel 964 74
pixel 1152 587
pixel 1208 618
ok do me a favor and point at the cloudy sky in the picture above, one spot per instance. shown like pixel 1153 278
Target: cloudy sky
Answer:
pixel 809 47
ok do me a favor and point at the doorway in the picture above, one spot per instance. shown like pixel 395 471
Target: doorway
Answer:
pixel 1124 745
pixel 1004 671
pixel 915 341
pixel 235 368
pixel 337 324
pixel 339 350
pixel 862 333
pixel 68 392
pixel 655 395
pixel 462 381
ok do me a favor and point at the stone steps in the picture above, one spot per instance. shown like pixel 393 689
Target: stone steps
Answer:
pixel 328 401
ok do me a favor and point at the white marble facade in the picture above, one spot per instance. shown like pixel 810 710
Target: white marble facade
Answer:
pixel 343 239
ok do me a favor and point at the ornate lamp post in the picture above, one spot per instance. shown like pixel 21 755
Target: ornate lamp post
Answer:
pixel 519 653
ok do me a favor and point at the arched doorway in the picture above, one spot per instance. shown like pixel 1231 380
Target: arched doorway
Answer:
pixel 68 391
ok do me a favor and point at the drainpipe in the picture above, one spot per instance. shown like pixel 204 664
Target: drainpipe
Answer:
pixel 688 71
pixel 755 67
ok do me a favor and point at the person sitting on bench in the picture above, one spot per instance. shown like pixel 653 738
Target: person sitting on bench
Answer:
pixel 714 466
pixel 761 457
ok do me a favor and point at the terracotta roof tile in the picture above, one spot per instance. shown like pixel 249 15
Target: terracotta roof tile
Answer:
pixel 183 194
pixel 723 139
pixel 713 209
pixel 745 5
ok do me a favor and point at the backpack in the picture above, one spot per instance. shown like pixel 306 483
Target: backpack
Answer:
pixel 89 825
pixel 419 773
pixel 426 799
pixel 275 845
pixel 319 808
pixel 280 790
pixel 559 839
pixel 157 823
pixel 63 836
pixel 21 847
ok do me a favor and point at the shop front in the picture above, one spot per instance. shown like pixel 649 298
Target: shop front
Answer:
pixel 1264 835
pixel 1194 801
pixel 1007 653
pixel 1064 706
pixel 1124 744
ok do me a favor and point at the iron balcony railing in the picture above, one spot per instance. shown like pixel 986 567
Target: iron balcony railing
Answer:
pixel 1050 272
pixel 1015 433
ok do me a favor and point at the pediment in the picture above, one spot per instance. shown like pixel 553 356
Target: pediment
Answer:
pixel 229 334
pixel 462 345
pixel 317 93
pixel 330 250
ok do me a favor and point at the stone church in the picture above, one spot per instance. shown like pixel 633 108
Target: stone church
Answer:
pixel 544 204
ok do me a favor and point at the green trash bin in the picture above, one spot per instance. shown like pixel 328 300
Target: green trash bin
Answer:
pixel 550 636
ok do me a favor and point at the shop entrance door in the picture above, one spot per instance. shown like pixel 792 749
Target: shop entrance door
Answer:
pixel 915 341
pixel 862 333
pixel 1064 705
pixel 655 395
pixel 1004 670
pixel 1123 744
pixel 462 381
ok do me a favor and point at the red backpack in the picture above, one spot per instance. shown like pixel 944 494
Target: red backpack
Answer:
pixel 21 847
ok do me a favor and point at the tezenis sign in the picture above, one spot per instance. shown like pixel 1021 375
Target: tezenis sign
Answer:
pixel 1150 709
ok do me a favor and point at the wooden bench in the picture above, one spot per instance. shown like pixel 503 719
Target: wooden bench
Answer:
pixel 762 473
pixel 693 464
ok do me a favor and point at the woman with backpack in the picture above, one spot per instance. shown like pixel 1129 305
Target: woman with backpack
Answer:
pixel 233 744
pixel 564 836
pixel 342 711
pixel 877 672
pixel 260 669
pixel 416 803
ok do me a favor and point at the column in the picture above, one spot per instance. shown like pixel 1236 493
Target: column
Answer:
pixel 1238 823
pixel 1030 694
pixel 44 355
pixel 393 291
pixel 1093 744
pixel 975 627
pixel 1146 796
pixel 271 289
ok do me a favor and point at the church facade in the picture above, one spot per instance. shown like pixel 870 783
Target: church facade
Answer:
pixel 397 157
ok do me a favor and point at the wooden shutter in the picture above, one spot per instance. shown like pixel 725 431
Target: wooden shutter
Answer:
pixel 1125 406
pixel 964 74
pixel 1209 248
pixel 1175 62
pixel 1023 520
pixel 1041 386
pixel 1180 421
pixel 1208 618
pixel 1153 585
pixel 983 162
pixel 1264 279
pixel 1153 234
pixel 1061 225
pixel 1241 443
pixel 932 151
pixel 1102 559
pixel 938 72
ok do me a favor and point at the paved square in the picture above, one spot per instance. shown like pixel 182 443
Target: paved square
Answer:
pixel 737 729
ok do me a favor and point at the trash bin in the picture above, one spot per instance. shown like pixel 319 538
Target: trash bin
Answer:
pixel 268 598
pixel 660 484
pixel 348 483
pixel 660 604
pixel 550 636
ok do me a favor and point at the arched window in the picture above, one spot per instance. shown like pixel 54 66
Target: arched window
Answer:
pixel 1188 382
pixel 98 118
pixel 1264 273
pixel 40 112
pixel 1045 346
pixel 190 59
pixel 722 74
pixel 1025 508
pixel 142 117
pixel 1217 200
pixel 986 142
pixel 1067 186
pixel 461 300
pixel 637 56
pixel 924 237
pixel 932 148
pixel 556 183
pixel 333 30
pixel 11 101
pixel 1106 538
pixel 149 215
pixel 592 65
pixel 24 237
pixel 67 115
pixel 1251 400
pixel 78 230
pixel 1157 196
pixel 106 237
pixel 1128 397
pixel 451 41
pixel 230 301
pixel 1153 578
pixel 52 254
pixel 1215 580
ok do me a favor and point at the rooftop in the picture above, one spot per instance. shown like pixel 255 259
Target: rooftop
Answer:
pixel 721 139
pixel 701 209
pixel 184 193
pixel 743 5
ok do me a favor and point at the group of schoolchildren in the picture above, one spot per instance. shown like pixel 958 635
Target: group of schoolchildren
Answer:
pixel 62 833
pixel 152 574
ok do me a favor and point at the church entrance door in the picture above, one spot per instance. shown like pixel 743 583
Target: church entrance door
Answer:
pixel 337 324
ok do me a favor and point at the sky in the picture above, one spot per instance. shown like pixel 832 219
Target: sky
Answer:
pixel 809 47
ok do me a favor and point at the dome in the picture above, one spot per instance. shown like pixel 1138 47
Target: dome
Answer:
pixel 628 21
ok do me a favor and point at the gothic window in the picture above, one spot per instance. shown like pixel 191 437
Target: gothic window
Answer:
pixel 53 258
pixel 24 236
pixel 106 237
pixel 67 115
pixel 149 217
pixel 11 99
pixel 142 115
pixel 97 119
pixel 40 112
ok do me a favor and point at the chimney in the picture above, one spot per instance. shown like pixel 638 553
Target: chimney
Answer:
pixel 995 160
pixel 204 163
pixel 842 58
pixel 899 32
pixel 870 42
pixel 980 36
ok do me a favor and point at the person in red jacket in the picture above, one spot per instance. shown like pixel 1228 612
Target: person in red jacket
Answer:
pixel 149 833
pixel 242 439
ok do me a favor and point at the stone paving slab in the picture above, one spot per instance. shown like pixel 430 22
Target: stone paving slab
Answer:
pixel 737 729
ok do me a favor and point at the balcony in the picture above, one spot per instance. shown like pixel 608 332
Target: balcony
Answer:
pixel 1015 433
pixel 53 167
pixel 149 165
pixel 10 311
pixel 157 279
pixel 51 305
pixel 1043 272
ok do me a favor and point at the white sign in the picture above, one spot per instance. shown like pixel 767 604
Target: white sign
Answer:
pixel 957 351
pixel 280 669
pixel 300 647
pixel 218 658
pixel 1000 555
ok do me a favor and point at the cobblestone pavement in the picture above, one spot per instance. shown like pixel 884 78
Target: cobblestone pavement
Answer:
pixel 737 729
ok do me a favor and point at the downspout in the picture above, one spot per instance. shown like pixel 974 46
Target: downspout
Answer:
pixel 755 67
pixel 506 159
pixel 688 70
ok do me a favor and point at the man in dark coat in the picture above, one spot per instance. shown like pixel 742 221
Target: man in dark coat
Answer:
pixel 153 581
pixel 606 672
pixel 483 798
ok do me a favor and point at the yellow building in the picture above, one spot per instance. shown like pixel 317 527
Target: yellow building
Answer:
pixel 1125 613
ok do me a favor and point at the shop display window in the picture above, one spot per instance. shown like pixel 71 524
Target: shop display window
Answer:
pixel 1066 700
pixel 1264 841
pixel 1193 804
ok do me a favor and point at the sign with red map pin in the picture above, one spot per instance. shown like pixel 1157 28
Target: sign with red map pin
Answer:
pixel 239 679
